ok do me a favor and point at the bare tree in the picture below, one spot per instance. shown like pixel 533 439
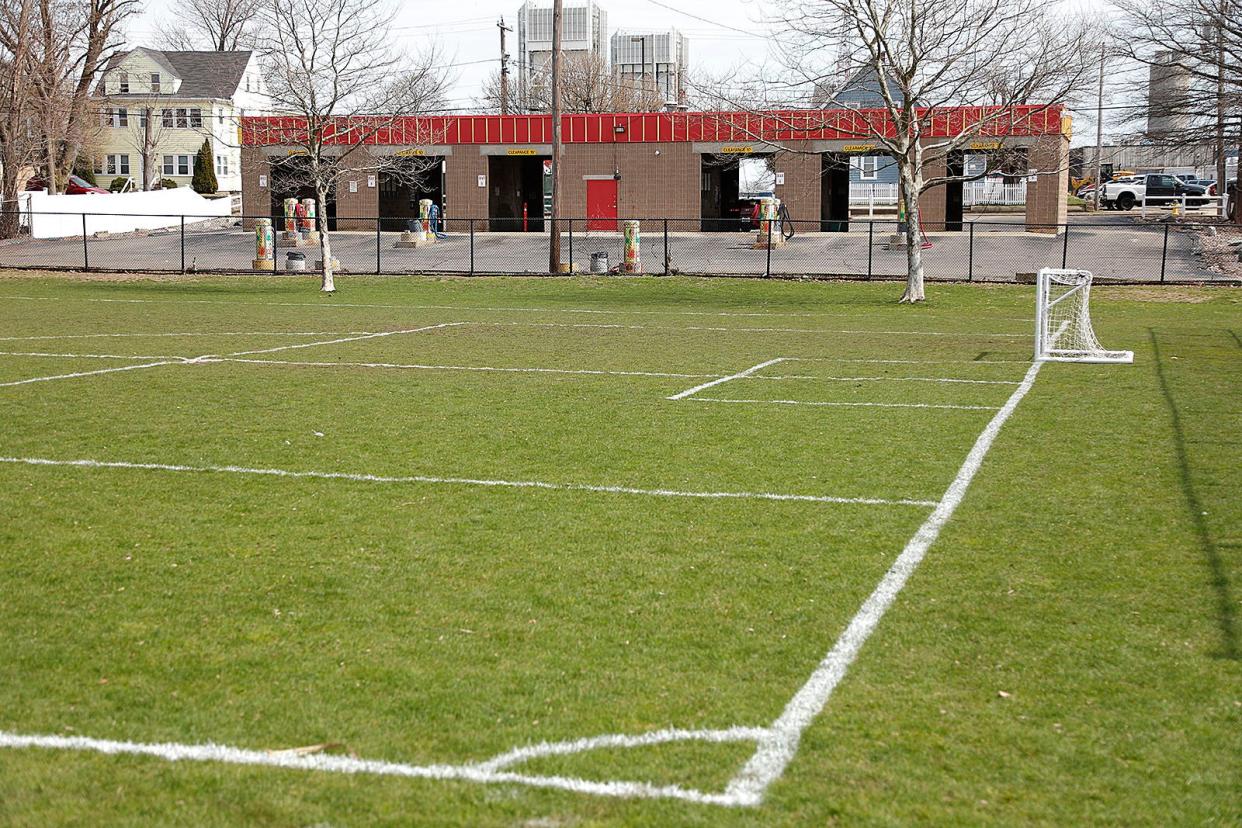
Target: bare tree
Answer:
pixel 588 84
pixel 1193 53
pixel 925 59
pixel 19 140
pixel 211 25
pixel 331 66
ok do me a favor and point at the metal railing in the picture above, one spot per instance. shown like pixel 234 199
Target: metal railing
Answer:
pixel 981 250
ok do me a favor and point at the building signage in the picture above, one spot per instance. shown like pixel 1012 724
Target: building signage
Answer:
pixel 780 178
pixel 527 151
pixel 370 181
pixel 985 145
pixel 263 182
pixel 482 180
pixel 412 152
pixel 353 186
pixel 860 148
pixel 737 150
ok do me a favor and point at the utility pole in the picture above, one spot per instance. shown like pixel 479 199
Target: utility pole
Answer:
pixel 1099 130
pixel 504 68
pixel 554 238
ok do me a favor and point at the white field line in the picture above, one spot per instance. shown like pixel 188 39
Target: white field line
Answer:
pixel 972 335
pixel 334 341
pixel 890 379
pixel 778 747
pixel 466 481
pixel 93 373
pixel 620 740
pixel 739 375
pixel 913 361
pixel 209 752
pixel 184 333
pixel 599 311
pixel 135 357
pixel 845 404
pixel 485 368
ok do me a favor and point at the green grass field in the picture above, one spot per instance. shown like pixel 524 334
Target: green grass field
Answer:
pixel 429 522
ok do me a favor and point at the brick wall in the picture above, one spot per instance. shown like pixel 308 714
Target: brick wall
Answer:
pixel 1045 196
pixel 465 198
pixel 256 201
pixel 357 210
pixel 657 180
pixel 932 202
pixel 803 182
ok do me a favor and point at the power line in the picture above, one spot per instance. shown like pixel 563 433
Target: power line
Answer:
pixel 701 19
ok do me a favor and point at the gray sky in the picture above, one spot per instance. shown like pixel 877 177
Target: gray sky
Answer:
pixel 723 34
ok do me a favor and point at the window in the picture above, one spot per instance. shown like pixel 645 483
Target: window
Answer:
pixel 114 118
pixel 166 118
pixel 155 83
pixel 114 165
pixel 868 167
pixel 222 165
pixel 183 119
pixel 122 117
pixel 122 83
pixel 176 165
pixel 196 118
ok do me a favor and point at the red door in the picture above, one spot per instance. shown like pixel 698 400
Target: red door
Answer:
pixel 601 204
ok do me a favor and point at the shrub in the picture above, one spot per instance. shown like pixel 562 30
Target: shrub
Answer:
pixel 204 180
pixel 167 184
pixel 86 173
pixel 118 184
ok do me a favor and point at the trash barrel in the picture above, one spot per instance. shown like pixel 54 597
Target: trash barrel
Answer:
pixel 599 262
pixel 295 260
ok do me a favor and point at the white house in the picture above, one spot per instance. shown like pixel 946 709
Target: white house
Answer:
pixel 162 105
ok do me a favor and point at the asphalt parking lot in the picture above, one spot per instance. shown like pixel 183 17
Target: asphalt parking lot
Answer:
pixel 996 247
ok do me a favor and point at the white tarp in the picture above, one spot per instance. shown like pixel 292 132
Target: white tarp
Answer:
pixel 60 216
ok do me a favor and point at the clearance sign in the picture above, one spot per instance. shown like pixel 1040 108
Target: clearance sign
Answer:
pixel 411 153
pixel 527 151
pixel 858 148
pixel 985 145
pixel 737 150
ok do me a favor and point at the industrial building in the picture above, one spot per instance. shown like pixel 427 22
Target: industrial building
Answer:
pixel 653 60
pixel 584 33
pixel 493 169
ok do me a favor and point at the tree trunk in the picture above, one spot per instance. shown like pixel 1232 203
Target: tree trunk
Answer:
pixel 1234 206
pixel 328 285
pixel 148 149
pixel 910 186
pixel 53 169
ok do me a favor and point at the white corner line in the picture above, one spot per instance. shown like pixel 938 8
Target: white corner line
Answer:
pixel 847 404
pixel 777 749
pixel 209 752
pixel 333 341
pixel 177 334
pixel 890 379
pixel 92 373
pixel 466 481
pixel 752 369
pixel 482 368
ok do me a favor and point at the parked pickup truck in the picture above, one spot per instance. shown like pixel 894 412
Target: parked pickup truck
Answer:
pixel 1158 188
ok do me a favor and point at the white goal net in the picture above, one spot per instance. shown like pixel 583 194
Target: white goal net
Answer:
pixel 1063 319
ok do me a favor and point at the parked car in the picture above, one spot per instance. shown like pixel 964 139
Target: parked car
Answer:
pixel 74 186
pixel 1154 188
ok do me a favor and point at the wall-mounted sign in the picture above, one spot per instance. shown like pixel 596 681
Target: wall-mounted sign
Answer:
pixel 985 145
pixel 482 180
pixel 521 152
pixel 371 181
pixel 263 182
pixel 296 152
pixel 861 148
pixel 780 178
pixel 737 150
pixel 411 153
pixel 353 186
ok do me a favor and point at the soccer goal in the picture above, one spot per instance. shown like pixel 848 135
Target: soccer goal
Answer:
pixel 1063 319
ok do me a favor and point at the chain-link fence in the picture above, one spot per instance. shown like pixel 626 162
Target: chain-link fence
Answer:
pixel 992 249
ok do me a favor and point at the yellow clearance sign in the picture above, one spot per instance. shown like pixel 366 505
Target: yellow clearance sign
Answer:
pixel 858 148
pixel 737 150
pixel 411 153
pixel 985 145
pixel 521 152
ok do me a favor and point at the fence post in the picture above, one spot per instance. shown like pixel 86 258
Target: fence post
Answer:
pixel 183 244
pixel 377 245
pixel 471 247
pixel 571 245
pixel 1065 246
pixel 870 246
pixel 86 256
pixel 970 255
pixel 666 247
pixel 1164 253
pixel 768 273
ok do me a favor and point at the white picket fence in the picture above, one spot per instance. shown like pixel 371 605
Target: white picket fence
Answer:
pixel 870 195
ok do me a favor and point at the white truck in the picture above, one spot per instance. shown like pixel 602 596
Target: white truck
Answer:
pixel 1153 188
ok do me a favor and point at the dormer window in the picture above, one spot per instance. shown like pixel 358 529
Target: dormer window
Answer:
pixel 122 83
pixel 155 83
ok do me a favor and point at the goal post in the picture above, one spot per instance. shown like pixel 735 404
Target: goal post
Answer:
pixel 1063 331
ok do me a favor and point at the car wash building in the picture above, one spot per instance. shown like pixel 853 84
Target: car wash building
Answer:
pixel 701 169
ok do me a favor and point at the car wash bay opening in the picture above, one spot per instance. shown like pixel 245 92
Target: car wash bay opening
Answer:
pixel 703 170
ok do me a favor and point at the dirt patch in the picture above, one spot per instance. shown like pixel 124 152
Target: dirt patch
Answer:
pixel 80 276
pixel 1218 253
pixel 1188 294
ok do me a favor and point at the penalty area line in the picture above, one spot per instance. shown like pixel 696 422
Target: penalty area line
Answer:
pixel 467 481
pixel 739 375
pixel 844 404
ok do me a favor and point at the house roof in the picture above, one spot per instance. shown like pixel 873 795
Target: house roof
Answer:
pixel 202 74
